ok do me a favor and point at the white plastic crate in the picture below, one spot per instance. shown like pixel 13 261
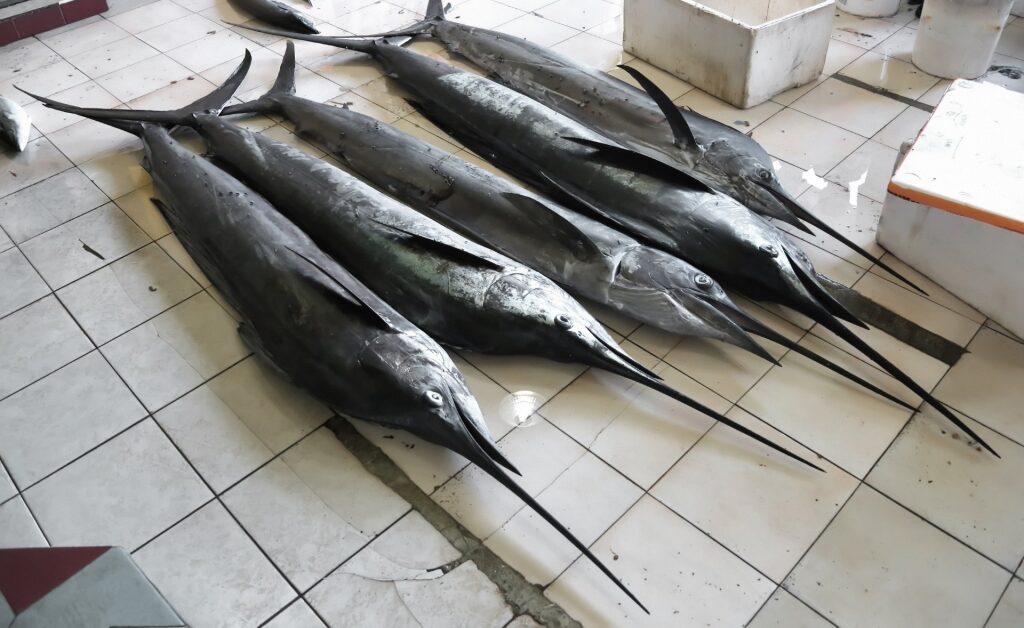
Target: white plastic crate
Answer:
pixel 742 51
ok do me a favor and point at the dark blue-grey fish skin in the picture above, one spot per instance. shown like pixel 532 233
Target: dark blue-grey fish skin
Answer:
pixel 708 229
pixel 721 156
pixel 278 14
pixel 588 258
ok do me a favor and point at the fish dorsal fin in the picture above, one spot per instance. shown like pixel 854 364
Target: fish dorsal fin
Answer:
pixel 444 249
pixel 629 159
pixel 351 291
pixel 566 233
pixel 680 127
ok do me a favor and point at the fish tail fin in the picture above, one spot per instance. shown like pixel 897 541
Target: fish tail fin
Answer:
pixel 132 121
pixel 434 13
pixel 283 85
pixel 492 469
pixel 348 43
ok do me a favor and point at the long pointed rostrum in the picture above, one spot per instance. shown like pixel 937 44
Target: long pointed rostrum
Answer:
pixel 498 474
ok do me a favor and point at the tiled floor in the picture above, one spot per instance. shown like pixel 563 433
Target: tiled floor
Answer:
pixel 131 414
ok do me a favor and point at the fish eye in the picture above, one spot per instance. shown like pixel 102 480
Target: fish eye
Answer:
pixel 563 321
pixel 764 174
pixel 770 250
pixel 433 398
pixel 703 281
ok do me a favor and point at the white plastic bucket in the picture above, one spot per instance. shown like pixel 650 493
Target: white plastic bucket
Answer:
pixel 956 38
pixel 869 8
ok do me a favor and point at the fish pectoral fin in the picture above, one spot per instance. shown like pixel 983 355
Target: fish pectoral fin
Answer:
pixel 680 127
pixel 634 161
pixel 252 340
pixel 566 233
pixel 347 289
pixel 579 199
pixel 448 250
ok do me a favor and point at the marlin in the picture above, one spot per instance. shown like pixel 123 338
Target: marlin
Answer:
pixel 461 293
pixel 588 258
pixel 15 125
pixel 277 13
pixel 641 196
pixel 311 319
pixel 719 155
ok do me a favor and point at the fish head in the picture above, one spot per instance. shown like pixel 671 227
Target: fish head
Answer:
pixel 427 395
pixel 746 176
pixel 559 327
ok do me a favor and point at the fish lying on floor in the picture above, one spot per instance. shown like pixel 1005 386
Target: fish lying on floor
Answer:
pixel 15 125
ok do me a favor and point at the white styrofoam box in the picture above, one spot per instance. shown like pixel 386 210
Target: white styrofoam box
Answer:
pixel 953 210
pixel 957 38
pixel 869 8
pixel 742 51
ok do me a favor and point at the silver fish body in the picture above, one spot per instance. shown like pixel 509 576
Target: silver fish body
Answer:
pixel 15 125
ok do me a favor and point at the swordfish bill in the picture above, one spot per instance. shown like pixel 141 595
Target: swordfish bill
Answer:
pixel 660 206
pixel 460 292
pixel 311 319
pixel 718 154
pixel 590 259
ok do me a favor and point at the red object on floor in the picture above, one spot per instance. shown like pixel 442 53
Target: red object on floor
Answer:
pixel 26 575
pixel 39 21
pixel 48 18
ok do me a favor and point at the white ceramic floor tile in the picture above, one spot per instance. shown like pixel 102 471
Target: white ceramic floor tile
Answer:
pixel 537 375
pixel 762 506
pixel 63 416
pixel 483 13
pixel 593 51
pixel 827 413
pixel 866 171
pixel 878 564
pixel 140 208
pixel 277 413
pixel 587 498
pixel 904 127
pixel 936 293
pixel 35 341
pixel 1010 610
pixel 123 493
pixel 43 81
pixel 387 593
pixel 172 246
pixel 143 77
pixel 301 533
pixel 985 383
pixel 7 488
pixel 340 481
pixel 40 160
pixel 858 223
pixel 849 107
pixel 482 505
pixel 118 54
pixel 176 351
pixel 580 14
pixel 537 29
pixel 85 140
pixel 298 615
pixel 148 16
pixel 211 50
pixel 966 492
pixel 48 204
pixel 83 244
pixel 17 527
pixel 899 77
pixel 72 42
pixel 24 56
pixel 126 293
pixel 742 120
pixel 212 573
pixel 785 611
pixel 379 17
pixel 119 173
pixel 681 575
pixel 935 94
pixel 866 32
pixel 179 32
pixel 22 285
pixel 805 141
pixel 217 443
pixel 899 45
pixel 1011 43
